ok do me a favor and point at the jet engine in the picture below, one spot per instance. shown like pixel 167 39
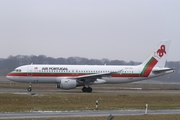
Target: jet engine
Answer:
pixel 67 84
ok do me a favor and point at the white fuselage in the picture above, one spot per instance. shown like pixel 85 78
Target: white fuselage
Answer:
pixel 54 73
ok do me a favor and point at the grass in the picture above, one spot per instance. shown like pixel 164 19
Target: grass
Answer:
pixel 62 102
pixel 140 117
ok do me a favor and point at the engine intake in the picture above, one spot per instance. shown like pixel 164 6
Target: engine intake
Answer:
pixel 67 84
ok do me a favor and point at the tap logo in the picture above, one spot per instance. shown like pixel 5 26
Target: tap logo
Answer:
pixel 36 68
pixel 160 52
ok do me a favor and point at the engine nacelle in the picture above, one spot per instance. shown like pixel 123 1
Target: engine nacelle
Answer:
pixel 67 84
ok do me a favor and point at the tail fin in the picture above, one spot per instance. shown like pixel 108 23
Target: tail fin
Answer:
pixel 159 55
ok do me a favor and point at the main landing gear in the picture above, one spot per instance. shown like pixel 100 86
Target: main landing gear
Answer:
pixel 87 89
pixel 29 89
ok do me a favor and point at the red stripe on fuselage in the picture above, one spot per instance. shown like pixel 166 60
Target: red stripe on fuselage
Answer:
pixel 45 74
pixel 64 75
pixel 125 75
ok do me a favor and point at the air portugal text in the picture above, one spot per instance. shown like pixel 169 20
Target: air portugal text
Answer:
pixel 54 68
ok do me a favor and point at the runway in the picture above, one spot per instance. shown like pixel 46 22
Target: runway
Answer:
pixel 50 114
pixel 78 91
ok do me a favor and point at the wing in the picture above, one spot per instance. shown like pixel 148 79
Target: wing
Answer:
pixel 95 76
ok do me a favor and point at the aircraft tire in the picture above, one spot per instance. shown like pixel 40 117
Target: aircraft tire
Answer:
pixel 29 89
pixel 89 89
pixel 84 89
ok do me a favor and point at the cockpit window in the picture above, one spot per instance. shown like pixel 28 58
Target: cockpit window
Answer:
pixel 17 70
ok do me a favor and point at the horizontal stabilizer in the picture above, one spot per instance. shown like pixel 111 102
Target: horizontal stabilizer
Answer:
pixel 162 70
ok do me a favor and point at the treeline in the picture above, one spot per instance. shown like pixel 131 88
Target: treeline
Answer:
pixel 10 63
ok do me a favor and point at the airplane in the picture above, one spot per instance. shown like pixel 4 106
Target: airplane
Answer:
pixel 72 76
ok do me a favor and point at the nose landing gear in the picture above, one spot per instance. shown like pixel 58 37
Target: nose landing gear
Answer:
pixel 29 89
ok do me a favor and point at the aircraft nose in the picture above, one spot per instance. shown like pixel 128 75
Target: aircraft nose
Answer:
pixel 8 76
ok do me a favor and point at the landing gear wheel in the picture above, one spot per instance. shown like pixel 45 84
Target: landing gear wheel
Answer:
pixel 84 89
pixel 29 89
pixel 89 89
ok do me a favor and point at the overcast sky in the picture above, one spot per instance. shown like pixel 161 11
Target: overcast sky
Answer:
pixel 114 29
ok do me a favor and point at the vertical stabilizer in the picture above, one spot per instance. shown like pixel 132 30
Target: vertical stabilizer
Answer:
pixel 159 55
